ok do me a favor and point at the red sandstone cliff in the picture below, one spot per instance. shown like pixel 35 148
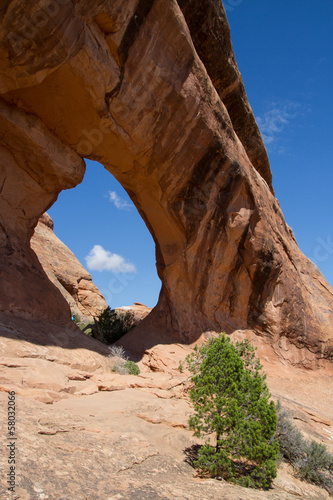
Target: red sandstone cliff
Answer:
pixel 151 89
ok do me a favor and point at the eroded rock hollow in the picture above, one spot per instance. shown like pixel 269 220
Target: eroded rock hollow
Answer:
pixel 151 89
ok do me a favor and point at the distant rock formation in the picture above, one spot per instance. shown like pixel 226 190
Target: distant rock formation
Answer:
pixel 66 272
pixel 151 89
pixel 133 315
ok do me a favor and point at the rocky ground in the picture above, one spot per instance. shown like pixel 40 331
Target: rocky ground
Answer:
pixel 86 433
pixel 125 444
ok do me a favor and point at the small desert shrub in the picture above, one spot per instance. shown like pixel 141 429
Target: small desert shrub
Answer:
pixel 317 465
pixel 120 363
pixel 132 368
pixel 118 351
pixel 310 460
pixel 118 359
pixel 119 367
pixel 290 438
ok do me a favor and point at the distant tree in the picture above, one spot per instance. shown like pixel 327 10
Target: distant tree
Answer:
pixel 232 409
pixel 111 326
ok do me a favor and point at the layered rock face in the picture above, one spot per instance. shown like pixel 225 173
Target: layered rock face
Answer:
pixel 66 272
pixel 151 89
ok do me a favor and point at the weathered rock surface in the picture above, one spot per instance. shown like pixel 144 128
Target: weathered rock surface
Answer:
pixel 84 432
pixel 33 170
pixel 122 443
pixel 151 90
pixel 66 272
pixel 133 315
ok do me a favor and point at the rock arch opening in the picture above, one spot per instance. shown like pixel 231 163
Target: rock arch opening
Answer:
pixel 99 223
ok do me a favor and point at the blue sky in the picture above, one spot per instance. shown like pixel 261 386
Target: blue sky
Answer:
pixel 284 52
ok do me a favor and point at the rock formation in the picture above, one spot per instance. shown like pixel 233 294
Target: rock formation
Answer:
pixel 134 314
pixel 151 90
pixel 66 272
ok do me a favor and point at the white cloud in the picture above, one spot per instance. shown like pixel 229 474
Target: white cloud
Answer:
pixel 276 120
pixel 118 201
pixel 100 259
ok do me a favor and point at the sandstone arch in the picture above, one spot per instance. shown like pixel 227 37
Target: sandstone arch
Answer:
pixel 136 85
